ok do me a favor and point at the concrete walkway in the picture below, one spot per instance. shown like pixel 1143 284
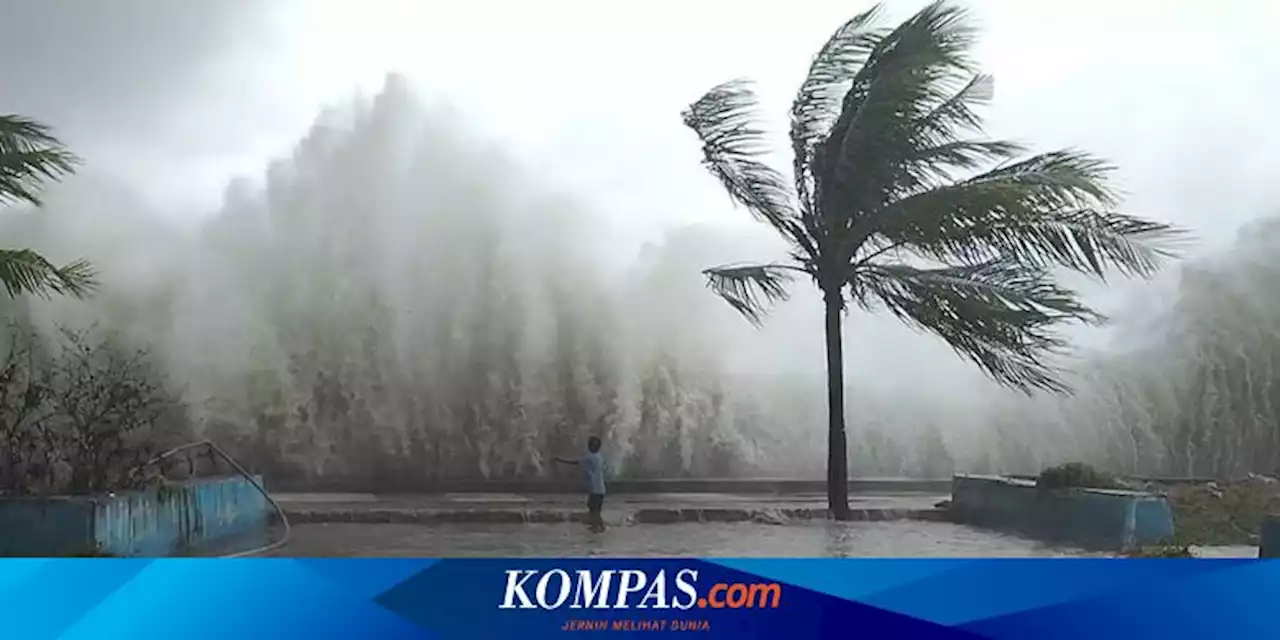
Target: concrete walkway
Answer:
pixel 650 508
pixel 813 539
pixel 571 483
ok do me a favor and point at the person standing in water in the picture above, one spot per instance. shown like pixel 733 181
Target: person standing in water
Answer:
pixel 593 474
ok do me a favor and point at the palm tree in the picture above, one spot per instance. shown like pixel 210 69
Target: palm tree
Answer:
pixel 29 156
pixel 894 205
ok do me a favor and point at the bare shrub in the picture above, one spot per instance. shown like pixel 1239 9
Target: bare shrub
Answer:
pixel 82 416
pixel 26 463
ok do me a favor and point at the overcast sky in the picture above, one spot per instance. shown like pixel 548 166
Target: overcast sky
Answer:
pixel 178 96
pixel 181 94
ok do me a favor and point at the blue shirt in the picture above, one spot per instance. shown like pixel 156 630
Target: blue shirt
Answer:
pixel 593 473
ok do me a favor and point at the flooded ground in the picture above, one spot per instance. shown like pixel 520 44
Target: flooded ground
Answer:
pixel 816 539
pixel 368 525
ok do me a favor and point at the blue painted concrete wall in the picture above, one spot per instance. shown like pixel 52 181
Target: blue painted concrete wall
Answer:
pixel 1269 543
pixel 162 521
pixel 46 526
pixel 1095 518
pixel 151 522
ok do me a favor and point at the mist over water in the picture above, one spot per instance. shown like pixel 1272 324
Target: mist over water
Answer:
pixel 398 301
pixel 1189 386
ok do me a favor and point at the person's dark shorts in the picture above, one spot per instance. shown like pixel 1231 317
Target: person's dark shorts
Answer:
pixel 595 502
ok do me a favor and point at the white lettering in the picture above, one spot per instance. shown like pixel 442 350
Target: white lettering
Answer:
pixel 658 591
pixel 541 591
pixel 686 587
pixel 515 589
pixel 591 590
pixel 588 591
pixel 632 582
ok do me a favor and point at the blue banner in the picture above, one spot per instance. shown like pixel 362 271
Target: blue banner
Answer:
pixel 317 599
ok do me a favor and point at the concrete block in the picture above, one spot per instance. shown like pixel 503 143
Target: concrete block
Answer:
pixel 1092 518
pixel 157 521
pixel 1269 537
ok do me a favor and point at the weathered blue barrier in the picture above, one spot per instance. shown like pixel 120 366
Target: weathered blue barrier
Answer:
pixel 157 521
pixel 1269 537
pixel 1093 518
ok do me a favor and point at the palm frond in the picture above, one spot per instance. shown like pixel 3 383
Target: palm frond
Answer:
pixel 932 166
pixel 935 152
pixel 23 271
pixel 999 314
pixel 817 103
pixel 1049 209
pixel 956 114
pixel 931 149
pixel 912 73
pixel 29 156
pixel 750 289
pixel 726 119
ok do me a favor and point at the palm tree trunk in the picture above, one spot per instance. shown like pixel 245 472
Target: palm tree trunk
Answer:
pixel 837 452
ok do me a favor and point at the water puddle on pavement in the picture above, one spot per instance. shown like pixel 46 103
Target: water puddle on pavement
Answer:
pixel 819 539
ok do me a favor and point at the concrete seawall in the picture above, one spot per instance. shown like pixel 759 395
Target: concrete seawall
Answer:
pixel 157 521
pixel 634 486
pixel 1092 518
pixel 665 508
pixel 658 515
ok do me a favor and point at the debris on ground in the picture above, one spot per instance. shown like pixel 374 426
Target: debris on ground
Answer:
pixel 770 516
pixel 1223 512
pixel 1161 551
pixel 1076 475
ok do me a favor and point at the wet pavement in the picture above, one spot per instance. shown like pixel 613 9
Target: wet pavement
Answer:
pixel 575 501
pixel 811 539
pixel 514 525
pixel 653 508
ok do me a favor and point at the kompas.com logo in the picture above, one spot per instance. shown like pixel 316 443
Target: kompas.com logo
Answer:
pixel 631 589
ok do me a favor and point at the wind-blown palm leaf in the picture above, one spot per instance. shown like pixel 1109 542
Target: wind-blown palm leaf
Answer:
pixel 26 272
pixel 733 142
pixel 956 114
pixel 898 171
pixel 934 152
pixel 29 155
pixel 894 172
pixel 816 105
pixel 999 314
pixel 1049 209
pixel 912 72
pixel 750 289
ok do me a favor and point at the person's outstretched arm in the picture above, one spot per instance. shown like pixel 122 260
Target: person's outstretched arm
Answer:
pixel 565 460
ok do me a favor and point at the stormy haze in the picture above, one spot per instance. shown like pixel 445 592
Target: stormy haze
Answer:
pixel 458 269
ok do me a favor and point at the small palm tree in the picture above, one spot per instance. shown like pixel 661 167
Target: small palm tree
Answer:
pixel 30 156
pixel 894 205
